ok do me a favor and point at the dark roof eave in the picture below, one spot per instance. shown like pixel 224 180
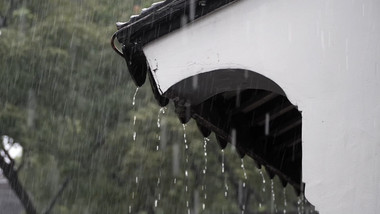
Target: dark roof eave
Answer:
pixel 154 22
pixel 164 18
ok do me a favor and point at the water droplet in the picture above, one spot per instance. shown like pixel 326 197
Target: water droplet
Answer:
pixel 242 166
pixel 233 138
pixel 187 159
pixel 160 112
pixel 134 97
pixel 273 204
pixel 222 161
pixel 285 203
pixel 267 120
pixel 262 176
pixel 195 82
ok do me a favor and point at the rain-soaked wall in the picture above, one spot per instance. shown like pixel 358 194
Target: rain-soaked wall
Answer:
pixel 326 56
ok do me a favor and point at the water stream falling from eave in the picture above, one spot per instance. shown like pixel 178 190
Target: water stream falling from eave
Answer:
pixel 244 185
pixel 263 185
pixel 161 113
pixel 204 186
pixel 134 116
pixel 224 176
pixel 186 168
pixel 266 203
pixel 134 140
pixel 273 198
pixel 285 202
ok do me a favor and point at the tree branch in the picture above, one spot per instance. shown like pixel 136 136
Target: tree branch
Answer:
pixel 21 164
pixel 59 193
pixel 16 186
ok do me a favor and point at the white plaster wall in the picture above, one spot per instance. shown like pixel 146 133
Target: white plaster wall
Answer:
pixel 325 54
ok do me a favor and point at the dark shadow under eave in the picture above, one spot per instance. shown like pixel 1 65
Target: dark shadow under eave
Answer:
pixel 248 110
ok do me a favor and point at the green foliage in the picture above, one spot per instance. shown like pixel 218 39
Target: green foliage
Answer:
pixel 66 97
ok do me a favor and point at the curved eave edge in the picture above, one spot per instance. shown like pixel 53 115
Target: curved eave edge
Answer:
pixel 154 23
pixel 298 185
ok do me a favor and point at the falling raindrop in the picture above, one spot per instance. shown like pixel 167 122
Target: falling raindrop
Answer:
pixel 245 74
pixel 160 114
pixel 134 136
pixel 243 185
pixel 300 204
pixel 262 176
pixel 204 187
pixel 225 177
pixel 205 140
pixel 346 52
pixel 195 82
pixel 323 40
pixel 267 119
pixel 273 202
pixel 183 20
pixel 290 36
pixel 243 167
pixel 222 161
pixel 196 202
pixel 192 7
pixel 175 161
pixel 32 103
pixel 233 139
pixel 363 9
pixel 285 203
pixel 134 97
pixel 134 117
pixel 186 166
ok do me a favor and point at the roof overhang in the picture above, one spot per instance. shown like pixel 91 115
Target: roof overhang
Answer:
pixel 324 55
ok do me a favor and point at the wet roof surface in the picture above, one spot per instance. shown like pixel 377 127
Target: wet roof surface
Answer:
pixel 164 17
